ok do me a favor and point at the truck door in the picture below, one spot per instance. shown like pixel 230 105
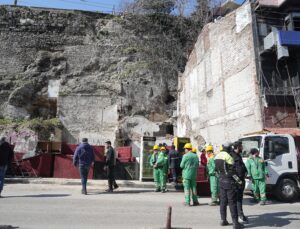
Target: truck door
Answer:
pixel 284 161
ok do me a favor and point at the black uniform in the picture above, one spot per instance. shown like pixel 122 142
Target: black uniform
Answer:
pixel 228 188
pixel 111 163
pixel 241 172
pixel 174 164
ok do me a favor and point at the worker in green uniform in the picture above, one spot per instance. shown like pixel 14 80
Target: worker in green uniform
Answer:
pixel 190 165
pixel 258 172
pixel 162 165
pixel 213 179
pixel 153 161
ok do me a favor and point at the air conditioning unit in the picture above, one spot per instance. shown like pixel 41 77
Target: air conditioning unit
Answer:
pixel 273 40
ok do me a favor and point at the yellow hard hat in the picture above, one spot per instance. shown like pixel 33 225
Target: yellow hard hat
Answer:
pixel 221 148
pixel 156 147
pixel 188 146
pixel 194 150
pixel 163 148
pixel 209 148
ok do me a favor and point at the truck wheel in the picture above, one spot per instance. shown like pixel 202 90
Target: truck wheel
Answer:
pixel 286 190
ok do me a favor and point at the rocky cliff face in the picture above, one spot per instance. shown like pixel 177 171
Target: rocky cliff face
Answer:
pixel 104 76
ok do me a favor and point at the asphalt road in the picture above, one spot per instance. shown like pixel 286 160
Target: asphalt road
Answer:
pixel 57 206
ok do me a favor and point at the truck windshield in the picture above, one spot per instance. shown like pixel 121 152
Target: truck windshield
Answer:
pixel 249 143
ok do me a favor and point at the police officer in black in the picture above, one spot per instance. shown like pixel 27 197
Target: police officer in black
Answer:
pixel 228 180
pixel 110 166
pixel 241 172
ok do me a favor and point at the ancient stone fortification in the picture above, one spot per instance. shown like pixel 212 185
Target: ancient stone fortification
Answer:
pixel 103 76
pixel 218 93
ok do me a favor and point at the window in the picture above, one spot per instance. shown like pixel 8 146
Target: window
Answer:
pixel 249 143
pixel 280 145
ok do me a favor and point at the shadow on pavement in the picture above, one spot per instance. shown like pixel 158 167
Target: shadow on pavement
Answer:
pixel 270 201
pixel 39 196
pixel 272 219
pixel 7 227
pixel 121 192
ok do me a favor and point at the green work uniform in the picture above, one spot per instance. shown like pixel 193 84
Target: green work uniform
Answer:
pixel 162 167
pixel 153 161
pixel 257 171
pixel 213 179
pixel 190 165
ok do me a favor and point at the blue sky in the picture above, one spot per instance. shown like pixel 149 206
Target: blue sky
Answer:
pixel 91 5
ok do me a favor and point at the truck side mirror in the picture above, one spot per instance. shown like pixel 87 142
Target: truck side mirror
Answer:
pixel 272 155
pixel 270 146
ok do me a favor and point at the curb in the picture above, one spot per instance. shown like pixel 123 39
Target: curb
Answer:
pixel 99 183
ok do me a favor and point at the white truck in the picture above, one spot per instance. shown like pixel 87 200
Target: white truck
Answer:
pixel 281 153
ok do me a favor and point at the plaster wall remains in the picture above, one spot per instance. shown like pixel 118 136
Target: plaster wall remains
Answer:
pixel 91 116
pixel 218 92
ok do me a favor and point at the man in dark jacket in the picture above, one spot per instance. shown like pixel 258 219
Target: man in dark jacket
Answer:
pixel 83 158
pixel 111 158
pixel 228 182
pixel 174 163
pixel 241 172
pixel 6 157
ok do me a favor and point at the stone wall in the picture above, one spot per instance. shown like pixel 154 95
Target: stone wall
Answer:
pixel 116 75
pixel 218 92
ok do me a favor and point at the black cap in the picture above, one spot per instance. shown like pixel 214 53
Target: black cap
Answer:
pixel 254 151
pixel 108 142
pixel 165 144
pixel 227 146
pixel 237 144
pixel 84 140
pixel 160 144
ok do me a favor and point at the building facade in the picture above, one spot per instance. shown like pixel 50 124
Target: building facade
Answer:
pixel 243 74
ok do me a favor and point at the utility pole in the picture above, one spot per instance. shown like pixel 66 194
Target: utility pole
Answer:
pixel 16 2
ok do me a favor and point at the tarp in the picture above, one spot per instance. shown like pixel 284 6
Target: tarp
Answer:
pixel 289 38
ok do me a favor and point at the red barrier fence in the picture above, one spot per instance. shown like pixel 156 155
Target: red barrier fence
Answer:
pixel 125 154
pixel 203 188
pixel 64 168
pixel 40 165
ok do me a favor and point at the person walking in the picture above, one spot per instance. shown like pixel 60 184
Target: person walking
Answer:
pixel 83 159
pixel 174 163
pixel 6 157
pixel 228 181
pixel 162 167
pixel 257 172
pixel 213 178
pixel 111 159
pixel 153 161
pixel 190 165
pixel 241 172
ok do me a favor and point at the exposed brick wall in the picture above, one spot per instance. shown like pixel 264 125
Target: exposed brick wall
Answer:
pixel 280 117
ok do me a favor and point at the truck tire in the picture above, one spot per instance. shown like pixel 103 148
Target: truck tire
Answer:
pixel 286 190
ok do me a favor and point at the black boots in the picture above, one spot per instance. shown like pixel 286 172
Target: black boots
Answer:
pixel 224 223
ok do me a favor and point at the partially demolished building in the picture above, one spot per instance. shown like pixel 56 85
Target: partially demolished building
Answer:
pixel 243 74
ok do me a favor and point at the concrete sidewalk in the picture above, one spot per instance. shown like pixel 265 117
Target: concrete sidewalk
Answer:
pixel 98 183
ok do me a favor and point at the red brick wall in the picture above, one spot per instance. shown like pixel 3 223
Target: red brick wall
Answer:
pixel 280 117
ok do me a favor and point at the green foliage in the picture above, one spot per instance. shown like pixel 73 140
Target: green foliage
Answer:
pixel 33 124
pixel 8 121
pixel 39 124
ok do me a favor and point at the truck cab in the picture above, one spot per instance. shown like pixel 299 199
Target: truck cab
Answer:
pixel 281 155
